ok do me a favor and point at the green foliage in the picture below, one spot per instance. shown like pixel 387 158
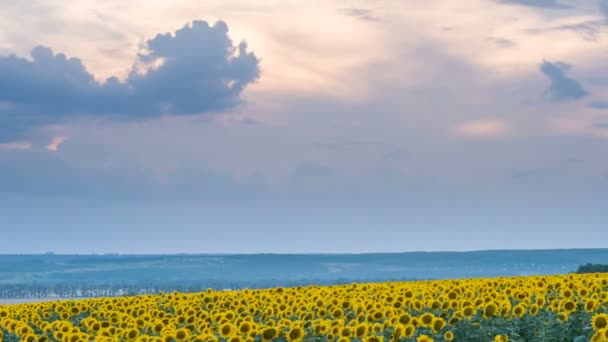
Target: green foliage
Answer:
pixel 592 268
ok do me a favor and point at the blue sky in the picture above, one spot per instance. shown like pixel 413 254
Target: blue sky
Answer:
pixel 299 126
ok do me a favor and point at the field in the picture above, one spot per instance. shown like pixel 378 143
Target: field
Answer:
pixel 535 308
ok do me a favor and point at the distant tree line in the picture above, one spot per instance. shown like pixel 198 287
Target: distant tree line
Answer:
pixel 592 268
pixel 87 290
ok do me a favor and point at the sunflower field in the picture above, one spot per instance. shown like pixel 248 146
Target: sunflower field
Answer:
pixel 536 308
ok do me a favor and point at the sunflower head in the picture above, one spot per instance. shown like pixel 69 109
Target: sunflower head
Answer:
pixel 424 338
pixel 226 330
pixel 501 338
pixel 599 321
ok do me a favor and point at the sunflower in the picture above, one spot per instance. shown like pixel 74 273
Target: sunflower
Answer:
pixel 374 339
pixel 599 321
pixel 591 305
pixel 541 301
pixel 426 319
pixel 182 334
pixel 409 331
pixel 29 338
pixel 235 338
pixel 245 327
pixel 519 310
pixel 132 334
pixel 168 338
pixel 437 325
pixel 226 330
pixel 533 309
pixel 405 318
pixel 501 338
pixel 269 333
pixel 295 334
pixel 337 313
pixel 378 315
pixel 490 310
pixel 424 338
pixel 448 336
pixel 361 330
pixel 569 306
pixel 398 332
pixel 468 311
pixel 158 327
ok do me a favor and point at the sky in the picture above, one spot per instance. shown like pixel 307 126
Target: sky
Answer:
pixel 334 126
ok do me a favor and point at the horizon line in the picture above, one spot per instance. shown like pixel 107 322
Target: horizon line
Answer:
pixel 306 254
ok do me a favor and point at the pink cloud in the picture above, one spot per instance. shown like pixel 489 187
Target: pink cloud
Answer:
pixel 482 128
pixel 54 145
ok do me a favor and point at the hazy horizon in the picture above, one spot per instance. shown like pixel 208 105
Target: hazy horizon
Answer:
pixel 312 254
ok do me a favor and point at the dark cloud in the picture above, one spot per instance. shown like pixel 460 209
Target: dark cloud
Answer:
pixel 562 87
pixel 588 30
pixel 598 104
pixel 200 71
pixel 359 13
pixel 537 3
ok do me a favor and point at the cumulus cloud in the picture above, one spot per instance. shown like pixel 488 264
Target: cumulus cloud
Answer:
pixel 562 87
pixel 195 70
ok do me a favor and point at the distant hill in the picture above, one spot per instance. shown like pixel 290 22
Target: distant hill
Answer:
pixel 95 275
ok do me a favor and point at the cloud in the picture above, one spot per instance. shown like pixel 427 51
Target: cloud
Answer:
pixel 16 145
pixel 195 70
pixel 359 13
pixel 501 42
pixel 603 4
pixel 587 30
pixel 601 125
pixel 562 87
pixel 483 128
pixel 55 142
pixel 598 104
pixel 537 3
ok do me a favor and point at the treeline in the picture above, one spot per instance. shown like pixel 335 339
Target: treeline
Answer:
pixel 592 268
pixel 84 290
